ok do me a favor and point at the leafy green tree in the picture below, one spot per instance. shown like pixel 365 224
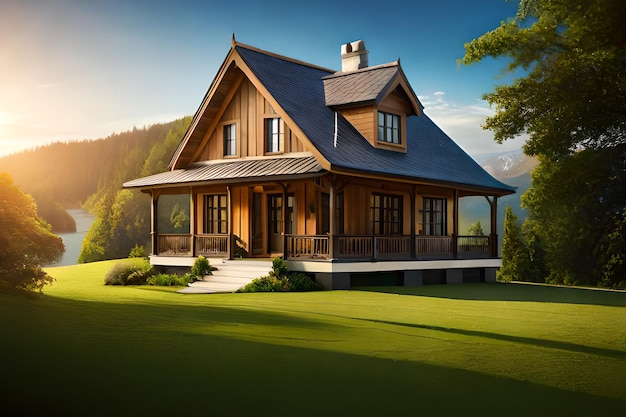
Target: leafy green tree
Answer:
pixel 514 254
pixel 476 229
pixel 571 102
pixel 26 240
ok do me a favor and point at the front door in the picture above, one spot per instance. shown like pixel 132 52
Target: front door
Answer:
pixel 257 224
pixel 275 222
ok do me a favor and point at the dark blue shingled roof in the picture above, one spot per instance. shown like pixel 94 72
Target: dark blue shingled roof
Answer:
pixel 431 155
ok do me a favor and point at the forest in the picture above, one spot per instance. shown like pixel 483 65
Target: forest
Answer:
pixel 88 174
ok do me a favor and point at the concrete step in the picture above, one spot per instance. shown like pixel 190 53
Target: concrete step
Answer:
pixel 228 277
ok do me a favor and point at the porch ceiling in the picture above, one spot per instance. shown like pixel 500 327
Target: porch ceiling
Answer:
pixel 229 171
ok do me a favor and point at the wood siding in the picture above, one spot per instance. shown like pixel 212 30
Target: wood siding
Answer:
pixel 247 109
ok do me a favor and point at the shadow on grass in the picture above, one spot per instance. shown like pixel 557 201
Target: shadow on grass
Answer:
pixel 76 358
pixel 552 344
pixel 512 292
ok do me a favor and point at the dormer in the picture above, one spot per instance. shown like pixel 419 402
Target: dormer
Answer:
pixel 376 100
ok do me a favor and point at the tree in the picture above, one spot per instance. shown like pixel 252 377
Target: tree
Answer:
pixel 571 101
pixel 514 254
pixel 26 240
pixel 476 229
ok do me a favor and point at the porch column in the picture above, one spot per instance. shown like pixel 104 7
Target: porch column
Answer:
pixel 494 226
pixel 154 216
pixel 231 240
pixel 283 215
pixel 193 199
pixel 331 221
pixel 455 224
pixel 412 249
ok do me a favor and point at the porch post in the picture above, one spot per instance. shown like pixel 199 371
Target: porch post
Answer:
pixel 154 216
pixel 231 240
pixel 412 248
pixel 455 224
pixel 284 221
pixel 193 198
pixel 332 224
pixel 494 226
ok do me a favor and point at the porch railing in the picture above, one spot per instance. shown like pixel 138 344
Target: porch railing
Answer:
pixel 212 245
pixel 474 245
pixel 308 246
pixel 345 246
pixel 386 247
pixel 174 244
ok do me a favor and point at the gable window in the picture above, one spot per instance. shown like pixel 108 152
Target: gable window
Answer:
pixel 274 134
pixel 215 214
pixel 435 216
pixel 389 128
pixel 230 139
pixel 386 214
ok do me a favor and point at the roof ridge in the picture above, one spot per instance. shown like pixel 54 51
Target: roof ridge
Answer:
pixel 361 70
pixel 283 57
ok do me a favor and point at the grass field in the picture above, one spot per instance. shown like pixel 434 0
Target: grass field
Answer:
pixel 85 349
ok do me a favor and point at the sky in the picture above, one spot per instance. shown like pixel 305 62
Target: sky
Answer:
pixel 84 69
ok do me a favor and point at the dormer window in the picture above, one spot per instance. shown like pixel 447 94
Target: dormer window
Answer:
pixel 389 128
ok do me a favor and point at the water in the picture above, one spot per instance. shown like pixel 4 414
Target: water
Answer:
pixel 74 241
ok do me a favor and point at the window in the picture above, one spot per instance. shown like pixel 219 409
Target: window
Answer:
pixel 215 214
pixel 274 133
pixel 230 140
pixel 435 216
pixel 386 214
pixel 388 128
pixel 276 214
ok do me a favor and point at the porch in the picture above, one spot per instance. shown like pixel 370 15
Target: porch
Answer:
pixel 339 247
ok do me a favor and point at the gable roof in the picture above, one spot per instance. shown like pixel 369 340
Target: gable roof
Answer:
pixel 298 90
pixel 368 85
pixel 431 155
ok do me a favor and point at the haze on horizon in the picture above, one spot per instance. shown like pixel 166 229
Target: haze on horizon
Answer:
pixel 74 70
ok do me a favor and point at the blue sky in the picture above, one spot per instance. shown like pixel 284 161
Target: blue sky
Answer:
pixel 83 69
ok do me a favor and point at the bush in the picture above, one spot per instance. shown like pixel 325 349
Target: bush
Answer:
pixel 169 280
pixel 129 273
pixel 201 267
pixel 137 251
pixel 281 279
pixel 298 281
pixel 266 283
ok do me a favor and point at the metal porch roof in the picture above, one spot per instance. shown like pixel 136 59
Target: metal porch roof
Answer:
pixel 228 171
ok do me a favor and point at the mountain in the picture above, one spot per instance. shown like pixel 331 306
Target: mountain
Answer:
pixel 512 168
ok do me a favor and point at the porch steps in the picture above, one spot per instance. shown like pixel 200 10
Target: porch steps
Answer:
pixel 229 276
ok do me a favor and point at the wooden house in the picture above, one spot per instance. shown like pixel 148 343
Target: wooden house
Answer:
pixel 341 173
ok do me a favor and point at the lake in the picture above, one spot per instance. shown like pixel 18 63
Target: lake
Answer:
pixel 74 241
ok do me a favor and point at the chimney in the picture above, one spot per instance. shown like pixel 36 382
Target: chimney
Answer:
pixel 353 56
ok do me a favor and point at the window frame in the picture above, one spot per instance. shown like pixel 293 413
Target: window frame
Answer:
pixel 390 128
pixel 215 218
pixel 271 137
pixel 382 209
pixel 229 140
pixel 434 216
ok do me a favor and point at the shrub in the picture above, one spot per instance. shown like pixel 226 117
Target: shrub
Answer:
pixel 129 273
pixel 201 267
pixel 137 251
pixel 169 280
pixel 281 279
pixel 298 281
pixel 265 283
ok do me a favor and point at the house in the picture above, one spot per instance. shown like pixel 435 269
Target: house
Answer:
pixel 341 173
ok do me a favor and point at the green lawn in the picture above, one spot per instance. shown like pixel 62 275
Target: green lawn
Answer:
pixel 85 349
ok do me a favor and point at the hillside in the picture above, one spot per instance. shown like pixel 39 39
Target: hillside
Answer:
pixel 64 175
pixel 512 168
